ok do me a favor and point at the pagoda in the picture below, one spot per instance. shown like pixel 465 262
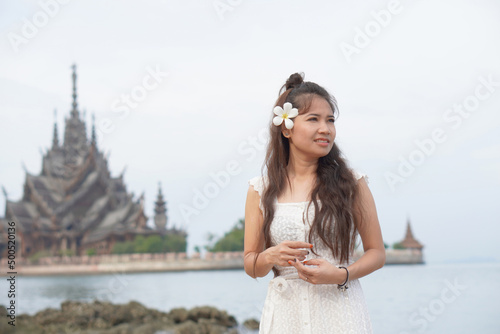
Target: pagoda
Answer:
pixel 74 205
pixel 160 211
pixel 409 242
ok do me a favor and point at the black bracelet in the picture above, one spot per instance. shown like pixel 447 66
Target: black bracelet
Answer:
pixel 343 286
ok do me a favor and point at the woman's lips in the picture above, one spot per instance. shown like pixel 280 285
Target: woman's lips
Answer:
pixel 322 141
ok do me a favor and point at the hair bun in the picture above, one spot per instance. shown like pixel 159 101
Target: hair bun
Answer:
pixel 295 80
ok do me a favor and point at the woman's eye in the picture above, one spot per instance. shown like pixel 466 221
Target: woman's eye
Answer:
pixel 312 119
pixel 332 120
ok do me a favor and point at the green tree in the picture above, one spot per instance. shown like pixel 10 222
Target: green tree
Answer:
pixel 398 245
pixel 140 244
pixel 174 243
pixel 65 252
pixel 232 241
pixel 211 241
pixel 152 244
pixel 126 247
pixel 91 251
pixel 38 255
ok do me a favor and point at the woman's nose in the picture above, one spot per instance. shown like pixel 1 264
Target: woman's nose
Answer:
pixel 324 128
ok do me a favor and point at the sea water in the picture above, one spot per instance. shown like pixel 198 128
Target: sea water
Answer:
pixel 431 298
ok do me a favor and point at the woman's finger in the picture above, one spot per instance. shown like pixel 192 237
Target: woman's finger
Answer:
pixel 314 262
pixel 292 258
pixel 304 277
pixel 301 268
pixel 298 253
pixel 298 244
pixel 292 252
pixel 294 263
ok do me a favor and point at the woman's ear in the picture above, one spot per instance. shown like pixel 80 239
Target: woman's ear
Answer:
pixel 286 133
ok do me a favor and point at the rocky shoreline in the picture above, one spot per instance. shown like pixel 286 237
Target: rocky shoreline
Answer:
pixel 101 317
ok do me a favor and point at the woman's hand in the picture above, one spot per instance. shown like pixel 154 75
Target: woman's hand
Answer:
pixel 322 272
pixel 287 251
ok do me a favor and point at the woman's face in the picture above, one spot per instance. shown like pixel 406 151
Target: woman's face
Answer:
pixel 313 133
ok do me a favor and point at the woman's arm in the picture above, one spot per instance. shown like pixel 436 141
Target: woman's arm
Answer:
pixel 320 271
pixel 254 242
pixel 254 239
pixel 365 217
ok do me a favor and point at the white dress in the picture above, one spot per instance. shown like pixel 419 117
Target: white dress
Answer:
pixel 293 305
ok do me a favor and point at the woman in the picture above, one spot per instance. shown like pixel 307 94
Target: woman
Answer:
pixel 302 220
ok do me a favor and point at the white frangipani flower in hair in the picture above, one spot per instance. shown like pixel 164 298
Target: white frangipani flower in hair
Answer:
pixel 285 113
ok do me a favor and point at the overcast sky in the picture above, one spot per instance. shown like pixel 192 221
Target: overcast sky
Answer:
pixel 182 92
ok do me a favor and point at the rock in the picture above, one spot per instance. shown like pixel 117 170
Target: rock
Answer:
pixel 120 329
pixel 133 318
pixel 148 328
pixel 82 315
pixel 121 315
pixel 50 316
pixel 104 311
pixel 251 324
pixel 210 312
pixel 210 326
pixel 179 315
pixel 99 323
pixel 202 312
pixel 139 311
pixel 188 327
pixel 3 312
pixel 4 326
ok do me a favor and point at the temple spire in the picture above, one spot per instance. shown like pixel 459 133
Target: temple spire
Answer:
pixel 5 194
pixel 75 133
pixel 93 140
pixel 409 240
pixel 74 111
pixel 409 233
pixel 55 138
pixel 160 210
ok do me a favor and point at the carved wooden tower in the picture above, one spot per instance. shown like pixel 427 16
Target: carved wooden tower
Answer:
pixel 74 204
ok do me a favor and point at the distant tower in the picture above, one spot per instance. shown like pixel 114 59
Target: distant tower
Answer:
pixel 55 137
pixel 93 140
pixel 74 111
pixel 75 134
pixel 409 241
pixel 160 211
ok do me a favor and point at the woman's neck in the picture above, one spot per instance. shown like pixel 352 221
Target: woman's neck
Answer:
pixel 299 168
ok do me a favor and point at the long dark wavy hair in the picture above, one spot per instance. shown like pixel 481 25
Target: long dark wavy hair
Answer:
pixel 335 184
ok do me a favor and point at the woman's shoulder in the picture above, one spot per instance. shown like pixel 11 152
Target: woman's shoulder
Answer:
pixel 358 175
pixel 258 183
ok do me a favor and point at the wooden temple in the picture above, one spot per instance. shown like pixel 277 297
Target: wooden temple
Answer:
pixel 74 204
